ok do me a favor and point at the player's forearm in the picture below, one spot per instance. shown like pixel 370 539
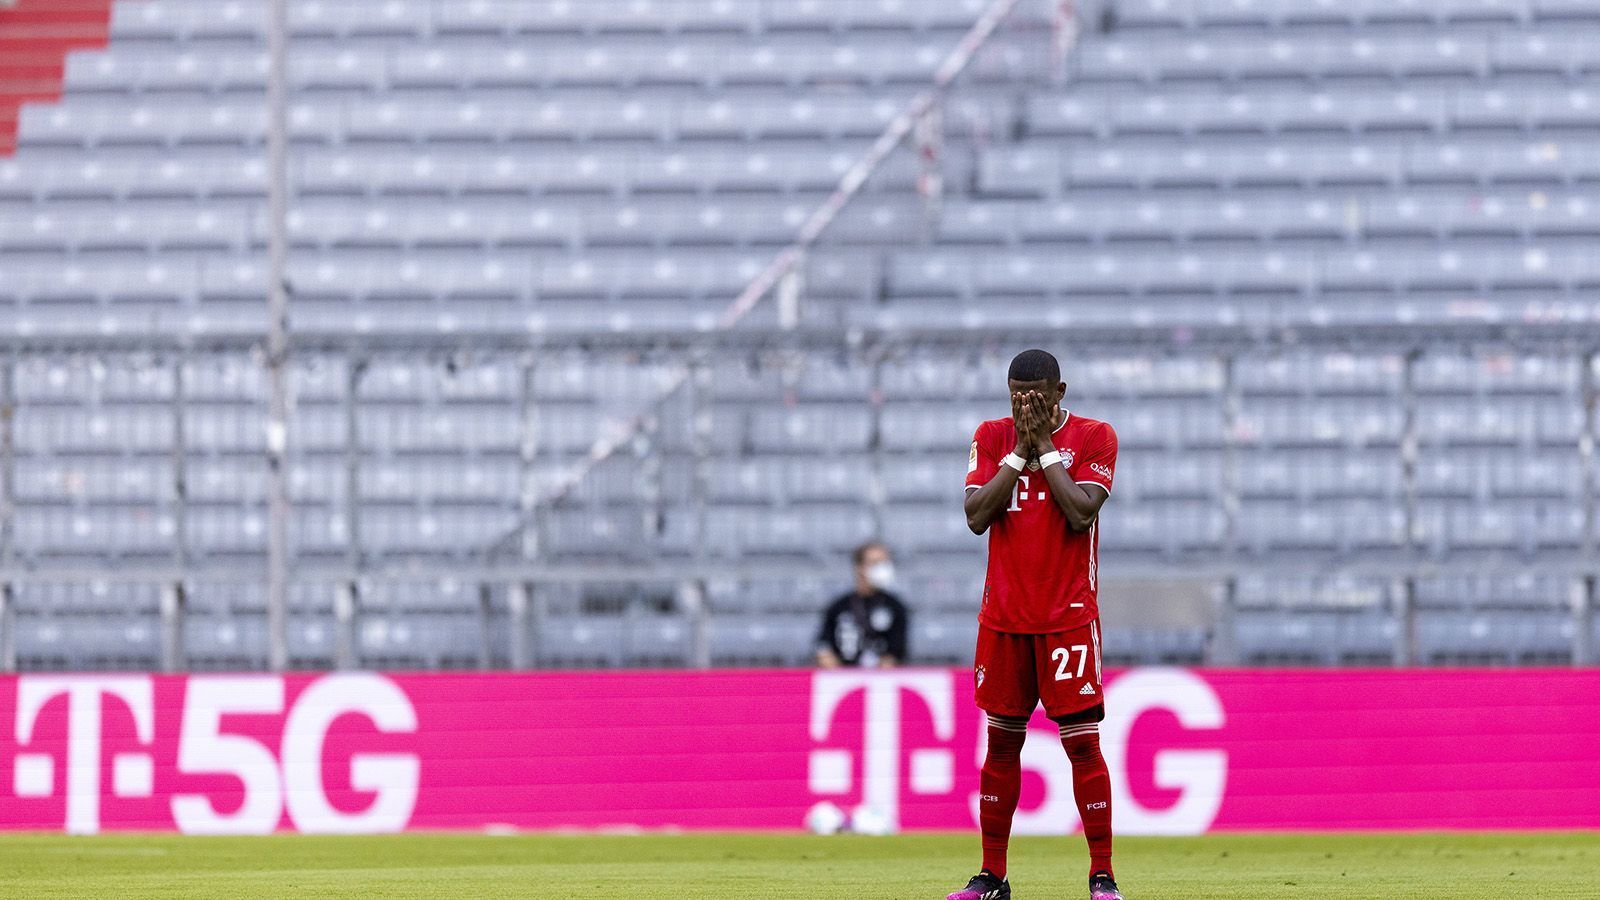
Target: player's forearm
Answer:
pixel 1076 503
pixel 985 504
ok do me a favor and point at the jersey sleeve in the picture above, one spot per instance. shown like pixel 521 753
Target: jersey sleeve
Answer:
pixel 981 461
pixel 1099 461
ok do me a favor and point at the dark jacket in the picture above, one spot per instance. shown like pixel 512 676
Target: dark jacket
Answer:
pixel 862 630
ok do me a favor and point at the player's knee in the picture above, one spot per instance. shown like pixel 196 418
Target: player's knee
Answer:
pixel 1006 734
pixel 1082 741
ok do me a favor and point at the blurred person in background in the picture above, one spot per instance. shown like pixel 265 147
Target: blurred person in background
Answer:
pixel 866 626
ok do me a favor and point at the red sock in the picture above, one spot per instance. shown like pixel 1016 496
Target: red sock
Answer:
pixel 999 786
pixel 1091 788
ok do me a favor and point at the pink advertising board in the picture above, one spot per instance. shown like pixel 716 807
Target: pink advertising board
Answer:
pixel 1191 751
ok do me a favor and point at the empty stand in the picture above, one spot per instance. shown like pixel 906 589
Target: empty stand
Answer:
pixel 1316 173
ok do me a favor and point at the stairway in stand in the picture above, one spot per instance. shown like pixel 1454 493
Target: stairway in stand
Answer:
pixel 35 38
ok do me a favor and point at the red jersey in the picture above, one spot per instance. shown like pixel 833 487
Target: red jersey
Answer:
pixel 1042 575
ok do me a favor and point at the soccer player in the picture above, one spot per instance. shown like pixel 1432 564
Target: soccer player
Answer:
pixel 1036 482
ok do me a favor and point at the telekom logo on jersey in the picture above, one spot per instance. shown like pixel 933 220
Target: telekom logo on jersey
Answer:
pixel 886 765
pixel 1020 492
pixel 266 785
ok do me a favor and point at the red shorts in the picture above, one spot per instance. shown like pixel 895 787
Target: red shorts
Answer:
pixel 1016 671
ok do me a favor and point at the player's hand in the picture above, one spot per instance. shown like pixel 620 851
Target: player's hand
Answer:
pixel 1020 419
pixel 1042 419
pixel 1027 426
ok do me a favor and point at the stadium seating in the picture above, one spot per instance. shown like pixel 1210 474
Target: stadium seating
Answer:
pixel 1293 175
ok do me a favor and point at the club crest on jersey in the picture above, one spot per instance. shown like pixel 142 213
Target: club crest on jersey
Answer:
pixel 978 675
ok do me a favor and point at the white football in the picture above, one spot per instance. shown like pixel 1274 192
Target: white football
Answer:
pixel 825 818
pixel 869 820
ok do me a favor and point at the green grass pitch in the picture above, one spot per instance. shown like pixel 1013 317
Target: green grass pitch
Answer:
pixel 1223 867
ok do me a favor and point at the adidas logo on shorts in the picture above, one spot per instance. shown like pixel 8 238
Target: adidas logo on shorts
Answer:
pixel 1087 688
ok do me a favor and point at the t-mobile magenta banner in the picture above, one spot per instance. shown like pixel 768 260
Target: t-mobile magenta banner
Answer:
pixel 1190 751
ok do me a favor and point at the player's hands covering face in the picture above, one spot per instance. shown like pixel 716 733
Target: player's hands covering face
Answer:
pixel 1043 419
pixel 1021 413
pixel 1031 414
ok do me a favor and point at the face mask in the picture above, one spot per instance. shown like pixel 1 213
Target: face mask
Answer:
pixel 880 574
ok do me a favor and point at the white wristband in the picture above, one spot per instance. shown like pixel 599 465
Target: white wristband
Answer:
pixel 1049 459
pixel 1015 461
